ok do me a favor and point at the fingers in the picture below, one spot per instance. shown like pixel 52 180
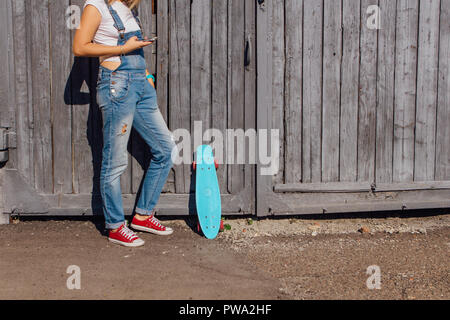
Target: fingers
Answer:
pixel 145 43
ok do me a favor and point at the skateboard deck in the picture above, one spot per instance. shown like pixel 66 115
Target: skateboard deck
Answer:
pixel 207 192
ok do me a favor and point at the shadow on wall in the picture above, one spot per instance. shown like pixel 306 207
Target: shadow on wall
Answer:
pixel 85 70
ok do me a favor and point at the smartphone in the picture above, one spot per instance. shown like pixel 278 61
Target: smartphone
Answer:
pixel 151 40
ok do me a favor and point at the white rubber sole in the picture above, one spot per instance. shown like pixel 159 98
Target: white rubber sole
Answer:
pixel 159 233
pixel 125 244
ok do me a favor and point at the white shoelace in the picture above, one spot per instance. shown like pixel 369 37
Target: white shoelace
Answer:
pixel 156 221
pixel 127 233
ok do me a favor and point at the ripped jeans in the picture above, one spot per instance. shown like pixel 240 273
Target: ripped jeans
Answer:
pixel 127 100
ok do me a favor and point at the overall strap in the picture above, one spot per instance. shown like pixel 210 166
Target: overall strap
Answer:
pixel 136 17
pixel 118 24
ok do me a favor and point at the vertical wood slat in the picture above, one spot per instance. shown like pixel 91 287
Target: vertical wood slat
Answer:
pixel 312 91
pixel 367 97
pixel 348 144
pixel 427 77
pixel 405 90
pixel 24 162
pixel 7 79
pixel 162 59
pixel 40 56
pixel 82 169
pixel 443 112
pixel 4 83
pixel 61 62
pixel 179 78
pixel 332 58
pixel 6 87
pixel 294 86
pixel 250 96
pixel 31 123
pixel 264 97
pixel 200 85
pixel 219 75
pixel 279 73
pixel 146 17
pixel 385 91
pixel 237 101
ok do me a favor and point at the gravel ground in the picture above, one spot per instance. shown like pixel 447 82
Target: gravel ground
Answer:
pixel 292 258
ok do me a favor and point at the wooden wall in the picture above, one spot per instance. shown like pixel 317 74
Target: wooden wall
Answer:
pixel 199 62
pixel 353 104
pixel 361 105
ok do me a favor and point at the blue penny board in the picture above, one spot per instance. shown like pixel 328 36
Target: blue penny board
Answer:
pixel 207 192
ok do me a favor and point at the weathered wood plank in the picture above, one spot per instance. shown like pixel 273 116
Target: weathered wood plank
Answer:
pixel 264 98
pixel 293 93
pixel 405 89
pixel 61 62
pixel 236 106
pixel 312 91
pixel 279 74
pixel 6 86
pixel 162 58
pixel 350 187
pixel 219 75
pixel 200 65
pixel 40 62
pixel 86 124
pixel 348 152
pixel 24 162
pixel 427 76
pixel 327 187
pixel 410 186
pixel 248 195
pixel 9 108
pixel 385 91
pixel 443 112
pixel 146 17
pixel 332 58
pixel 367 97
pixel 169 204
pixel 179 78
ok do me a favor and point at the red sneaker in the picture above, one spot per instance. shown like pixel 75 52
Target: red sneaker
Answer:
pixel 125 237
pixel 151 225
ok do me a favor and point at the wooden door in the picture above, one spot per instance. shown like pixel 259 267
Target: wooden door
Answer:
pixel 203 74
pixel 362 109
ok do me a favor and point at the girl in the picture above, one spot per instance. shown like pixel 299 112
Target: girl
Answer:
pixel 111 30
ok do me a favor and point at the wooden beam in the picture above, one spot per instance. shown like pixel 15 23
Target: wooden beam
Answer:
pixel 432 185
pixel 169 204
pixel 344 187
pixel 334 187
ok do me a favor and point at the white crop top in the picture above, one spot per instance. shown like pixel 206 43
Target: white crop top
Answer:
pixel 107 34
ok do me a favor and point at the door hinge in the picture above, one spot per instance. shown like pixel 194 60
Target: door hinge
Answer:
pixel 7 142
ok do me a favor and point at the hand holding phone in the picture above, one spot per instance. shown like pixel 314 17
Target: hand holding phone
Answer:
pixel 151 40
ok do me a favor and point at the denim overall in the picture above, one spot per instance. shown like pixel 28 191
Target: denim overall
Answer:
pixel 127 100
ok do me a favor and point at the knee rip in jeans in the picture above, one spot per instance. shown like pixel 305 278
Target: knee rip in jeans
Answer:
pixel 123 130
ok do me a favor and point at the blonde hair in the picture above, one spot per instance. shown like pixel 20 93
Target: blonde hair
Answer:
pixel 130 3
